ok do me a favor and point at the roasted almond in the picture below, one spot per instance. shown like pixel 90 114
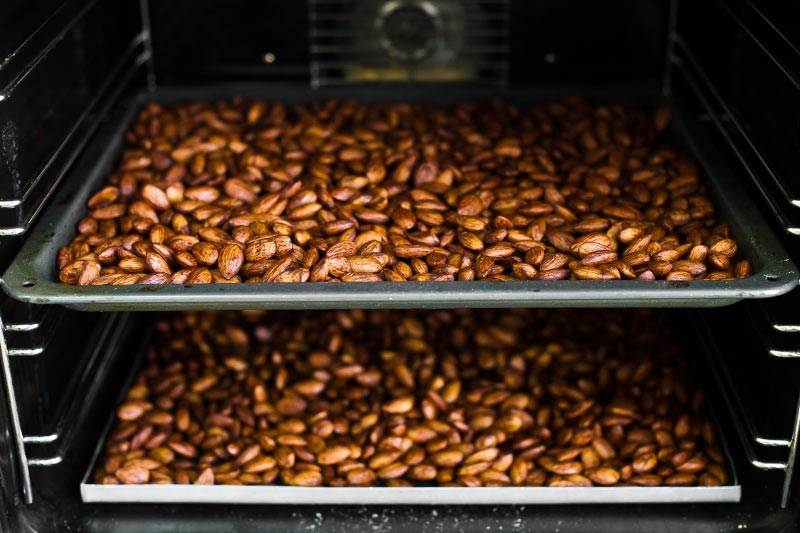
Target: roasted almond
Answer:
pixel 230 260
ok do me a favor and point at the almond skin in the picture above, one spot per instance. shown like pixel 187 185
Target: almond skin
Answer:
pixel 155 197
pixel 133 475
pixel 230 260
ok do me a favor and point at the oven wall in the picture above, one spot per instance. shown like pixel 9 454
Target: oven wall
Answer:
pixel 551 41
pixel 64 64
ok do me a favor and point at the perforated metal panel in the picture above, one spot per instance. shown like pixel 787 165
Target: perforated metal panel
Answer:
pixel 408 40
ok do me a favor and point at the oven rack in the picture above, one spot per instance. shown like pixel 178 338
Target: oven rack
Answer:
pixel 28 332
pixel 774 321
pixel 752 159
pixel 49 379
pixel 780 338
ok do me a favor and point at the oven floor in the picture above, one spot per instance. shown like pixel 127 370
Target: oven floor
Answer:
pixel 753 514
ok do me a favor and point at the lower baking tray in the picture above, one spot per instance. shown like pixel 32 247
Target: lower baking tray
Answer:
pixel 32 276
pixel 420 495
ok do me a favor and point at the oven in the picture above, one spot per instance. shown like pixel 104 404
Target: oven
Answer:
pixel 505 402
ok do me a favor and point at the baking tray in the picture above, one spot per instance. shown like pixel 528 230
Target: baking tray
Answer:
pixel 420 495
pixel 32 276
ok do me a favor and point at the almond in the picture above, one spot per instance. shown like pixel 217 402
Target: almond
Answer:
pixel 133 475
pixel 412 250
pixel 230 260
pixel 155 197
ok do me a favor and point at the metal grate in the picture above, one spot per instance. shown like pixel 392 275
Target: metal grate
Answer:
pixel 408 41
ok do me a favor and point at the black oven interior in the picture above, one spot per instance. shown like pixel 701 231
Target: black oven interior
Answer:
pixel 733 64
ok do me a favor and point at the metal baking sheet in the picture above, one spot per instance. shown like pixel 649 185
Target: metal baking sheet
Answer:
pixel 420 495
pixel 32 276
pixel 282 494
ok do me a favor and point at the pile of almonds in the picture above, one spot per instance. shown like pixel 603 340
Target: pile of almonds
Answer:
pixel 252 191
pixel 451 398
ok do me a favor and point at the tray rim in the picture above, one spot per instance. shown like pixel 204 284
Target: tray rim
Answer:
pixel 777 274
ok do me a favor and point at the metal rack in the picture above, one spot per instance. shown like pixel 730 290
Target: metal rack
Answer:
pixel 48 447
pixel 27 326
pixel 738 140
pixel 16 427
pixel 780 338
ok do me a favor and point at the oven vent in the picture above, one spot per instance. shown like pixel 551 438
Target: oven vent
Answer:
pixel 404 41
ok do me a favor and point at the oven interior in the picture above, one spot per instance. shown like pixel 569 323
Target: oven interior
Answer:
pixel 733 65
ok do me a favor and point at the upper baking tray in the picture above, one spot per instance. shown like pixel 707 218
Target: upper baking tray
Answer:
pixel 32 276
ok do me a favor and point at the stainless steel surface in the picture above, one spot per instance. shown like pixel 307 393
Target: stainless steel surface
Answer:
pixel 785 354
pixel 32 275
pixel 230 494
pixel 16 427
